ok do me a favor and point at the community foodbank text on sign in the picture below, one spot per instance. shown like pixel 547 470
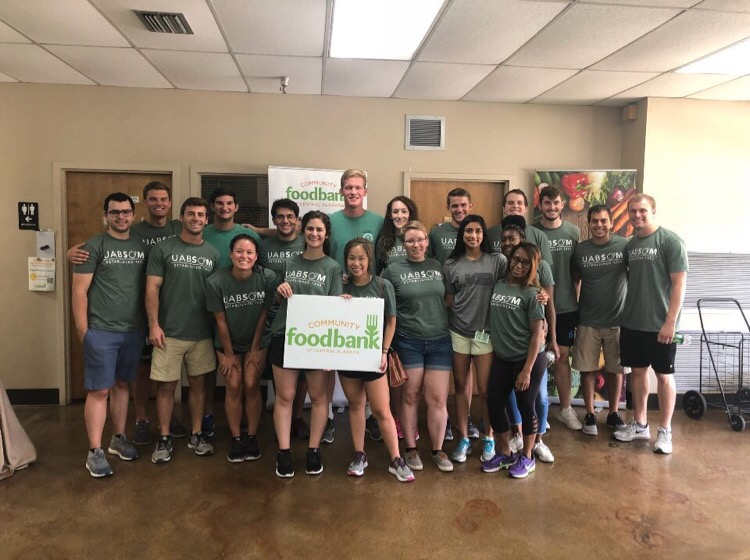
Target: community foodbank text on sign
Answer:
pixel 311 189
pixel 329 332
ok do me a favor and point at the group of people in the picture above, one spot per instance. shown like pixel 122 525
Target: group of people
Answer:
pixel 502 302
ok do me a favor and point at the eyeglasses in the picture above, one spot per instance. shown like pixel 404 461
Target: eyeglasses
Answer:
pixel 123 213
pixel 524 263
pixel 415 241
pixel 284 218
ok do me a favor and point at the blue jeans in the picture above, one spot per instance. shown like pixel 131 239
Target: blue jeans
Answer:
pixel 541 405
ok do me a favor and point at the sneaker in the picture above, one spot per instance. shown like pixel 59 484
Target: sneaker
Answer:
pixel 663 443
pixel 251 447
pixel 614 420
pixel 589 425
pixel 208 425
pixel 236 452
pixel 400 470
pixel 542 452
pixel 499 461
pixel 488 449
pixel 523 467
pixel 399 430
pixel 472 432
pixel 120 446
pixel 358 465
pixel 633 431
pixel 372 428
pixel 568 417
pixel 448 432
pixel 142 433
pixel 198 443
pixel 516 443
pixel 314 465
pixel 462 450
pixel 414 460
pixel 163 451
pixel 284 467
pixel 97 464
pixel 176 429
pixel 441 460
pixel 300 429
pixel 328 432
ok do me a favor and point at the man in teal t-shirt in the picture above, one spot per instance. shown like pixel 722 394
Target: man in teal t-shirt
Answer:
pixel 443 236
pixel 107 304
pixel 657 272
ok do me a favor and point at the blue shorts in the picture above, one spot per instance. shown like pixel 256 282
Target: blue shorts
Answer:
pixel 424 354
pixel 110 356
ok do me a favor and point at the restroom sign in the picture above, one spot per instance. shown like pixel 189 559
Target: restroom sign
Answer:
pixel 28 215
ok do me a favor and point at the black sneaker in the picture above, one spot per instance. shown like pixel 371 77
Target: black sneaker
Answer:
pixel 176 429
pixel 208 425
pixel 236 452
pixel 284 467
pixel 328 432
pixel 142 434
pixel 314 465
pixel 589 425
pixel 372 428
pixel 251 447
pixel 300 429
pixel 615 421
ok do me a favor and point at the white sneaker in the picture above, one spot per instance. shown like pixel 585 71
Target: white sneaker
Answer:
pixel 543 453
pixel 516 443
pixel 663 443
pixel 568 417
pixel 633 431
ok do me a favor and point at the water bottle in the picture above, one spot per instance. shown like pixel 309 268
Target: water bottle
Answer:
pixel 681 338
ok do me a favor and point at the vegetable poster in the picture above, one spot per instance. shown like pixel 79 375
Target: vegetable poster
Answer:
pixel 584 189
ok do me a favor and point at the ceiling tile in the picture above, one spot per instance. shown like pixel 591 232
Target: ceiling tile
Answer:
pixel 586 33
pixel 363 78
pixel 110 66
pixel 737 90
pixel 511 84
pixel 674 85
pixel 10 35
pixel 725 5
pixel 191 70
pixel 206 34
pixel 684 39
pixel 281 27
pixel 486 31
pixel 5 78
pixel 434 80
pixel 650 3
pixel 589 87
pixel 72 22
pixel 263 72
pixel 30 63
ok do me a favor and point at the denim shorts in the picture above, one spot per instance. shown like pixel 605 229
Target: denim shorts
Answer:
pixel 110 356
pixel 434 354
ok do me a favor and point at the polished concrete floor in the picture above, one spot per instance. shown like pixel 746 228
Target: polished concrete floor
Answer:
pixel 599 500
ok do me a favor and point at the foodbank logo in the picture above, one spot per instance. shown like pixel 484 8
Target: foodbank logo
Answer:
pixel 335 338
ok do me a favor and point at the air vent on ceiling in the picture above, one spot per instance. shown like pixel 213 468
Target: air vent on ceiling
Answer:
pixel 165 22
pixel 425 132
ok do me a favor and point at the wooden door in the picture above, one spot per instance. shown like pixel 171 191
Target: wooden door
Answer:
pixel 85 194
pixel 430 197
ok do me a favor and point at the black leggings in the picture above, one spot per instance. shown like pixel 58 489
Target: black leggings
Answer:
pixel 502 381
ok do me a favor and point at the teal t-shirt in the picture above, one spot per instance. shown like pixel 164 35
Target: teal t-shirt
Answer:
pixel 533 235
pixel 319 277
pixel 275 252
pixel 221 240
pixel 420 298
pixel 443 241
pixel 241 301
pixel 650 261
pixel 512 309
pixel 603 282
pixel 562 242
pixel 344 228
pixel 375 288
pixel 185 268
pixel 115 296
pixel 153 235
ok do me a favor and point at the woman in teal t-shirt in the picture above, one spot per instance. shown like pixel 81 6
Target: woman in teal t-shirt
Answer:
pixel 517 333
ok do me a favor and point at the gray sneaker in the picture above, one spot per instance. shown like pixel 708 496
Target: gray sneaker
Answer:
pixel 442 461
pixel 358 465
pixel 328 432
pixel 199 444
pixel 120 446
pixel 97 465
pixel 163 451
pixel 414 460
pixel 400 470
pixel 472 432
pixel 142 433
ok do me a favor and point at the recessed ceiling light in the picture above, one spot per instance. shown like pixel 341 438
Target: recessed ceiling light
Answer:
pixel 732 61
pixel 381 29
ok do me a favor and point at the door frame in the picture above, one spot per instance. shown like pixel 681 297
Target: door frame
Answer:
pixel 410 176
pixel 60 212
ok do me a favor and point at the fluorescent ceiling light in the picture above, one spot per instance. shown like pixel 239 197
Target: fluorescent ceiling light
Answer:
pixel 381 29
pixel 733 61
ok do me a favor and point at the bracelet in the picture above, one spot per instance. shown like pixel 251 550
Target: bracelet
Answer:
pixel 386 350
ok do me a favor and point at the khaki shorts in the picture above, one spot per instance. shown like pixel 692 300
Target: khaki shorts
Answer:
pixel 469 346
pixel 590 342
pixel 198 356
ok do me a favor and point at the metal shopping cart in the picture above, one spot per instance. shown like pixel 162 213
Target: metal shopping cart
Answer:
pixel 723 356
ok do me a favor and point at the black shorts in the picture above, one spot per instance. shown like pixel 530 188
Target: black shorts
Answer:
pixel 640 349
pixel 365 376
pixel 276 353
pixel 565 328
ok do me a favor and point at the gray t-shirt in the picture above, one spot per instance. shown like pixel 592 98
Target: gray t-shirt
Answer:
pixel 443 241
pixel 275 252
pixel 562 242
pixel 471 282
pixel 533 235
pixel 375 288
pixel 397 252
pixel 603 281
pixel 650 261
pixel 512 309
pixel 153 235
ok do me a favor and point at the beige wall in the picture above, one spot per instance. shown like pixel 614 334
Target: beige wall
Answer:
pixel 45 125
